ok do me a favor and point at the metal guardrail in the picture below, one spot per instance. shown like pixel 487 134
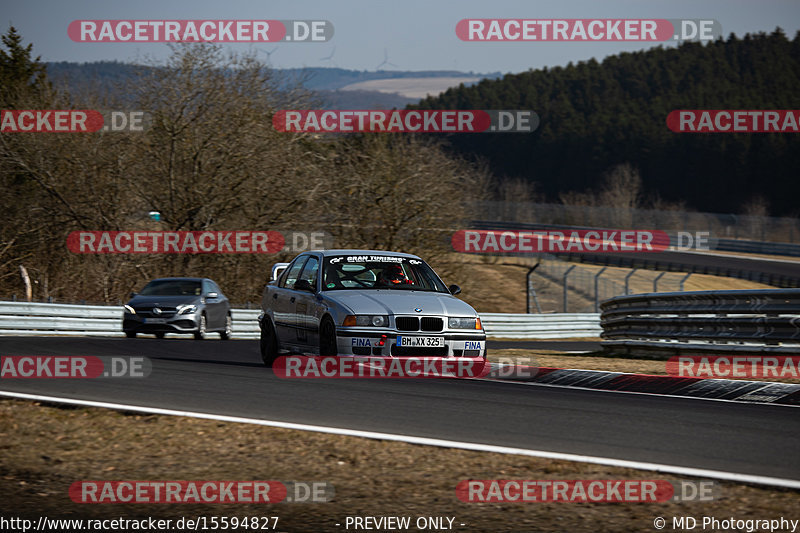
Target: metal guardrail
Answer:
pixel 759 247
pixel 703 321
pixel 24 318
pixel 550 326
pixel 666 265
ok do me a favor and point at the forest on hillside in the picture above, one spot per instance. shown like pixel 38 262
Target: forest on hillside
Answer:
pixel 597 116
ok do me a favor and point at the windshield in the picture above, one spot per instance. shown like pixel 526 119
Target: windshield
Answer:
pixel 380 272
pixel 172 287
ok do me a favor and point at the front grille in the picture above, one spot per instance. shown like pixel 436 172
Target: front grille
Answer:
pixel 147 312
pixel 432 323
pixel 413 323
pixel 407 323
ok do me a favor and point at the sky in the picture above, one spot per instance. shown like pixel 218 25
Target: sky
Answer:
pixel 411 34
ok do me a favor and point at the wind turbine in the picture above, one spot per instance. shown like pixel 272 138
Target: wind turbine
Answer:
pixel 269 54
pixel 385 60
pixel 330 57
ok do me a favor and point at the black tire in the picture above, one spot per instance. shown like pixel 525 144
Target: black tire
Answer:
pixel 269 343
pixel 327 338
pixel 226 334
pixel 201 329
pixel 130 334
pixel 160 335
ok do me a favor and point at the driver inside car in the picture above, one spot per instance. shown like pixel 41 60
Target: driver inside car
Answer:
pixel 394 275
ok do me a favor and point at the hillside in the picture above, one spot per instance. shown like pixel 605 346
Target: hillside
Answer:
pixel 595 116
pixel 337 88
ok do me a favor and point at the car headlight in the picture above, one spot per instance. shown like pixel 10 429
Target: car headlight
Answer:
pixel 129 309
pixel 377 321
pixel 187 309
pixel 464 323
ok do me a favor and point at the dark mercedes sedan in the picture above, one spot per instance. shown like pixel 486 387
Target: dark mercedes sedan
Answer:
pixel 178 305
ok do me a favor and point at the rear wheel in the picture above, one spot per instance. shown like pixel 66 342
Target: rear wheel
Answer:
pixel 327 338
pixel 201 329
pixel 269 343
pixel 130 334
pixel 225 335
pixel 160 335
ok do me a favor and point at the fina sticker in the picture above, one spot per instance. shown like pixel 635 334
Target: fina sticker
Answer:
pixel 360 342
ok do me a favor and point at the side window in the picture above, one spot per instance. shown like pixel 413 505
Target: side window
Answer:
pixel 310 271
pixel 292 273
pixel 207 287
pixel 215 288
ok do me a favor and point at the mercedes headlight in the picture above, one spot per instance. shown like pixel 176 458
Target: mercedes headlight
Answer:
pixel 129 309
pixel 187 309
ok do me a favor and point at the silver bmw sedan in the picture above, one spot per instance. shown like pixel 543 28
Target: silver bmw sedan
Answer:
pixel 365 303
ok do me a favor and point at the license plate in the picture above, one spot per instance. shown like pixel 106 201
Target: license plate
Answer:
pixel 155 320
pixel 418 342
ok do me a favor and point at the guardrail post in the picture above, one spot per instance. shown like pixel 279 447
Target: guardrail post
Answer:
pixel 628 277
pixel 531 290
pixel 683 280
pixel 566 273
pixel 655 282
pixel 596 290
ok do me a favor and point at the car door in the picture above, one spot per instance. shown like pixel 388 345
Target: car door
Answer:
pixel 215 305
pixel 282 301
pixel 224 304
pixel 306 321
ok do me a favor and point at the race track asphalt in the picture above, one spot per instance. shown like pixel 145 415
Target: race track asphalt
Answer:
pixel 228 378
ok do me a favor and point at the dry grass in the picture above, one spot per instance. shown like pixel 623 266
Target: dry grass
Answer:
pixel 498 285
pixel 46 448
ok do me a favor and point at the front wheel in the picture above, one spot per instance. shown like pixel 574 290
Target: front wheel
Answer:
pixel 160 335
pixel 327 338
pixel 201 329
pixel 130 334
pixel 269 343
pixel 225 335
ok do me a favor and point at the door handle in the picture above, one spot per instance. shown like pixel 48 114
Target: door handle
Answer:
pixel 291 299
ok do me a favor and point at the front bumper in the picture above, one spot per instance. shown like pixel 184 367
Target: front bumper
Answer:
pixel 383 342
pixel 189 323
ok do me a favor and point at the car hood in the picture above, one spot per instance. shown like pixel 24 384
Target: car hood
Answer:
pixel 171 301
pixel 401 302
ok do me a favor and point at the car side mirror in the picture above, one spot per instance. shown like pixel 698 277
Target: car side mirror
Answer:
pixel 277 270
pixel 133 295
pixel 454 289
pixel 212 295
pixel 303 285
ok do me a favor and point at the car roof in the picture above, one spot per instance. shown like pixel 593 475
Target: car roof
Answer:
pixel 328 253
